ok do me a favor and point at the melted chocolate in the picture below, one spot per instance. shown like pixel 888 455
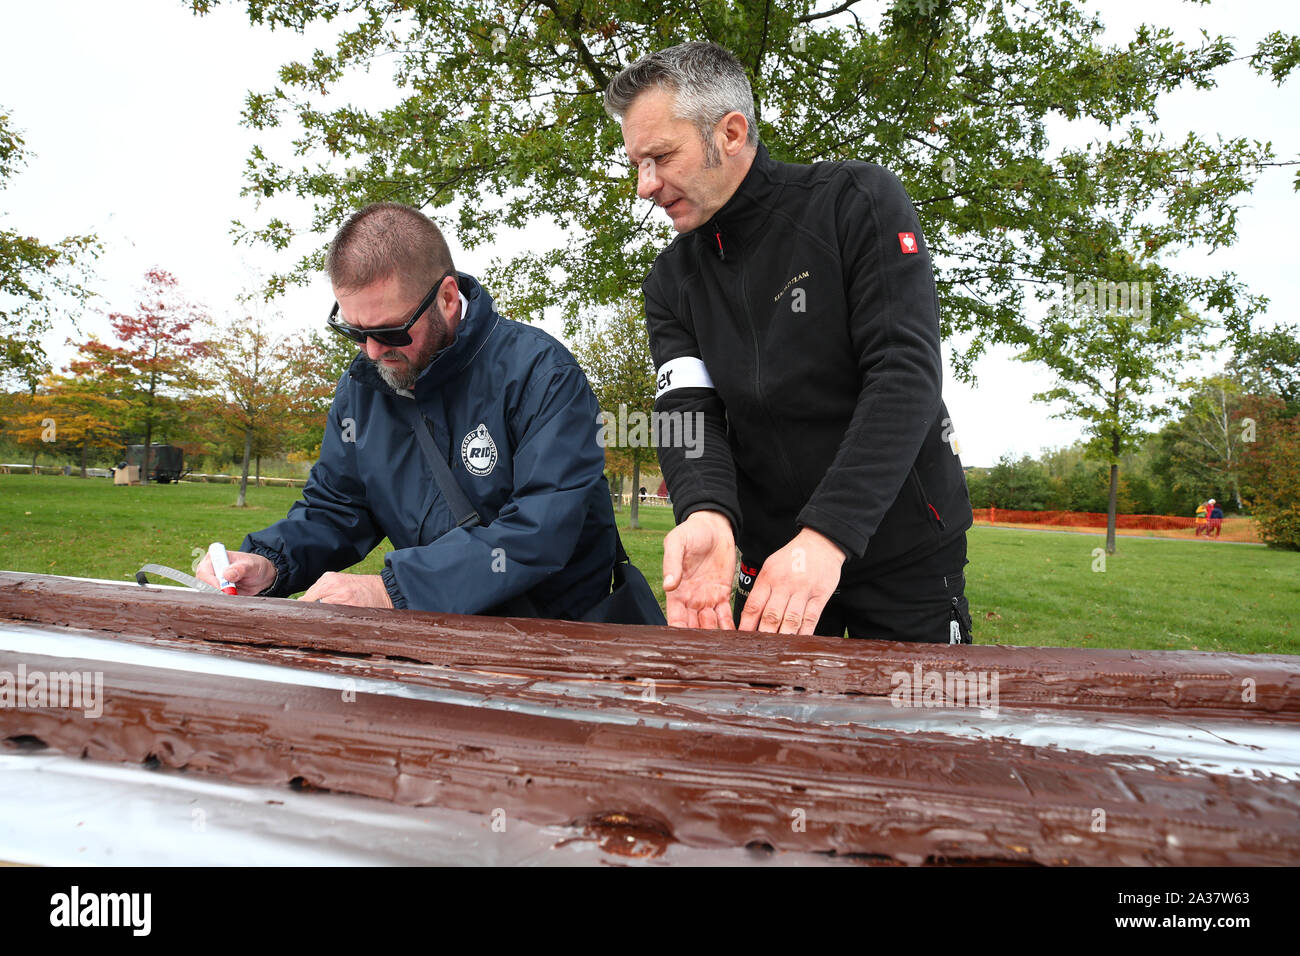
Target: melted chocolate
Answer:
pixel 678 773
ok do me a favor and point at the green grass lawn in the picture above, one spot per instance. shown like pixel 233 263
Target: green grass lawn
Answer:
pixel 1025 587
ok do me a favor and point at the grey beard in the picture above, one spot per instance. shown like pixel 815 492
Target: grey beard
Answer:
pixel 403 378
pixel 396 378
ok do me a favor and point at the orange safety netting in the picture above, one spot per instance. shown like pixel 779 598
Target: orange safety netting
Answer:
pixel 1084 519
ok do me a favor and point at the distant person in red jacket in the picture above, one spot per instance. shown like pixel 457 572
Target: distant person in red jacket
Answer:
pixel 1215 513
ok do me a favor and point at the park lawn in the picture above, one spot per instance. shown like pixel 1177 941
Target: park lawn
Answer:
pixel 1034 587
pixel 94 529
pixel 1025 587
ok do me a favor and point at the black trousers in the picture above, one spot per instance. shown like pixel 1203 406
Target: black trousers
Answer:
pixel 922 602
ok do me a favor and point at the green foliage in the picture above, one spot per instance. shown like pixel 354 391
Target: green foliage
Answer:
pixel 70 412
pixel 616 357
pixel 1205 443
pixel 1271 465
pixel 315 362
pixel 1267 362
pixel 1066 479
pixel 1020 485
pixel 37 278
pixel 496 120
pixel 248 389
pixel 615 354
pixel 1112 341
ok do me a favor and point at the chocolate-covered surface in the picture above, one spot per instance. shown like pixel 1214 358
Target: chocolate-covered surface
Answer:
pixel 1188 683
pixel 493 715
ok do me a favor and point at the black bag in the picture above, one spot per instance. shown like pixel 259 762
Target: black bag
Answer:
pixel 630 601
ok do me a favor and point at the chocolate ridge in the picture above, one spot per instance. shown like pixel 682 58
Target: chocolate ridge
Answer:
pixel 1185 683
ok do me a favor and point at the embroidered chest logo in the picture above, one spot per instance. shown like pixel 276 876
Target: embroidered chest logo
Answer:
pixel 479 452
pixel 907 241
pixel 786 287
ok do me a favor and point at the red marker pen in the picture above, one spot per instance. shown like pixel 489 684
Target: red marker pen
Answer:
pixel 220 561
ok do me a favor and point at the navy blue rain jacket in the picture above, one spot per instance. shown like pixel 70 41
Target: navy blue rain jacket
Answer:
pixel 514 416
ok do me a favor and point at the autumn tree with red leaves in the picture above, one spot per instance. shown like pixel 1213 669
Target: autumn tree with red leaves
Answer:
pixel 156 363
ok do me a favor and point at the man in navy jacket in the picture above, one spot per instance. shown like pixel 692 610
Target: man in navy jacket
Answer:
pixel 508 408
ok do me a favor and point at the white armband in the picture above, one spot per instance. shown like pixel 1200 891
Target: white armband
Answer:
pixel 684 372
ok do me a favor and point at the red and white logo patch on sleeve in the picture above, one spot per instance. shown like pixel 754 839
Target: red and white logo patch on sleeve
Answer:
pixel 907 241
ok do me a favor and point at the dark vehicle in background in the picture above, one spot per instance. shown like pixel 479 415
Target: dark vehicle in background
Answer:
pixel 167 462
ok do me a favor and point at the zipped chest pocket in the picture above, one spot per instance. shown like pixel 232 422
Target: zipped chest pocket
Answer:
pixel 933 518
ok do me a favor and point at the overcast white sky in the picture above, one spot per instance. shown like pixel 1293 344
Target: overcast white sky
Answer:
pixel 132 109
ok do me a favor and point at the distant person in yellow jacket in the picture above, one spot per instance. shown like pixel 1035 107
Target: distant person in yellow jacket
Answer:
pixel 1201 511
pixel 1214 516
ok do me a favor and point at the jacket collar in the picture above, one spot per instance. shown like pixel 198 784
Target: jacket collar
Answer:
pixel 477 322
pixel 741 216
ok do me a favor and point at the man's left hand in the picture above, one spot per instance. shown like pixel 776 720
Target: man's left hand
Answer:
pixel 792 589
pixel 358 590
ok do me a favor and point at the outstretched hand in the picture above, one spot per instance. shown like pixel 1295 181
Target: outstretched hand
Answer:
pixel 699 565
pixel 792 589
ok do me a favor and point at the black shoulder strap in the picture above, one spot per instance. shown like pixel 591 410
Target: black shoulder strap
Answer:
pixel 466 516
pixel 461 509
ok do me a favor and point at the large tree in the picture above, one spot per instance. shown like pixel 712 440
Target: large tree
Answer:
pixel 315 364
pixel 494 121
pixel 156 364
pixel 37 277
pixel 1111 345
pixel 1209 435
pixel 249 388
pixel 73 413
pixel 1267 362
pixel 616 357
pixel 1271 466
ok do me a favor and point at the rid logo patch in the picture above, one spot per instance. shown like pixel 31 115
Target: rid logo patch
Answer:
pixel 907 241
pixel 479 452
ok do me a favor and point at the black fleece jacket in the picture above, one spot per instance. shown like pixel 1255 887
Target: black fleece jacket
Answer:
pixel 809 299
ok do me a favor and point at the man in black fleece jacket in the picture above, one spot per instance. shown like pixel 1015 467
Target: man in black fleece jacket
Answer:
pixel 795 314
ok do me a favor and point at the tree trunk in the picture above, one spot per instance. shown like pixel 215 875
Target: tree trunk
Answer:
pixel 617 494
pixel 243 478
pixel 1110 515
pixel 259 471
pixel 34 454
pixel 635 520
pixel 148 449
pixel 83 459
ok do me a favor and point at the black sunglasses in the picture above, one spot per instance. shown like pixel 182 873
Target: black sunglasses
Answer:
pixel 394 335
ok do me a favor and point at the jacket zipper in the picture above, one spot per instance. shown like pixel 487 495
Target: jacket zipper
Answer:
pixel 925 499
pixel 758 379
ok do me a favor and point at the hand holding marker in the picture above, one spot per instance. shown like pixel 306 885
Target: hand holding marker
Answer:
pixel 220 561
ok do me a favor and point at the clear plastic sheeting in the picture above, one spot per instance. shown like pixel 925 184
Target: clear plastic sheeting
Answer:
pixel 61 811
pixel 1240 747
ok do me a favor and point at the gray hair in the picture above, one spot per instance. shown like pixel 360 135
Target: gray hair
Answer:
pixel 708 83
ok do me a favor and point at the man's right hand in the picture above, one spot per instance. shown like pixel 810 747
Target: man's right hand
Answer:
pixel 249 573
pixel 699 565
